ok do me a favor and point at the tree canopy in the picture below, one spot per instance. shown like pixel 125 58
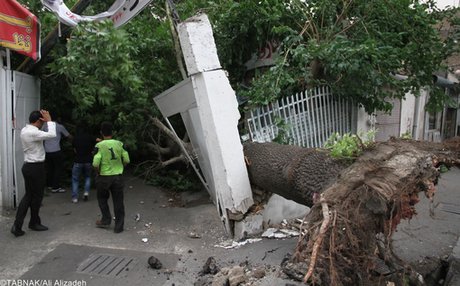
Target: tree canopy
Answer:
pixel 355 46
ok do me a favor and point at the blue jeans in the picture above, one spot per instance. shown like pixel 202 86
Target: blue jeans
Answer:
pixel 77 170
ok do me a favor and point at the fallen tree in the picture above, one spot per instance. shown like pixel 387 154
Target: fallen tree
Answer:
pixel 355 206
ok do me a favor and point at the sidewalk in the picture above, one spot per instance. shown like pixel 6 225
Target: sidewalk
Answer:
pixel 426 240
pixel 183 238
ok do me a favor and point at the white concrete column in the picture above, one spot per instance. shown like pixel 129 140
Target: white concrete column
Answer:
pixel 217 114
pixel 210 113
pixel 197 43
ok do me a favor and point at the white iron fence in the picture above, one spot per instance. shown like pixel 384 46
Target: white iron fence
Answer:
pixel 308 118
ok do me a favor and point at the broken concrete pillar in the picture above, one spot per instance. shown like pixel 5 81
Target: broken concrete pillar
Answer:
pixel 251 225
pixel 197 43
pixel 209 109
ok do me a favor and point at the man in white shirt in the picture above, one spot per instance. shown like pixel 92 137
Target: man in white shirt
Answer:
pixel 33 170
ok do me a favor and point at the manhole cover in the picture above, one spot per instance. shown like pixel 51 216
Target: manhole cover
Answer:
pixel 106 265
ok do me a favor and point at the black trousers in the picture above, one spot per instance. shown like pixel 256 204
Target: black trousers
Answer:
pixel 34 179
pixel 54 165
pixel 106 186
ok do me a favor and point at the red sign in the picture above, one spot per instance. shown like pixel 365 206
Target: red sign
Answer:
pixel 19 29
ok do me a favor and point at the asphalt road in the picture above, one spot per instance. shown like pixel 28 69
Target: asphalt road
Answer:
pixel 183 232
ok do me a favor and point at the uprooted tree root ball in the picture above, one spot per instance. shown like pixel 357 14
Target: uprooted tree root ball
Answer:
pixel 347 233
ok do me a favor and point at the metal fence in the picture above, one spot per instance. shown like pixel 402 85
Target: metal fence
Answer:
pixel 308 118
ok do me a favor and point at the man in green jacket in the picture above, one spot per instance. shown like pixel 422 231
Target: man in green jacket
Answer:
pixel 109 161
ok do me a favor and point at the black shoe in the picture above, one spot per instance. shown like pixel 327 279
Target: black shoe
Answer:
pixel 38 227
pixel 17 231
pixel 85 198
pixel 118 230
pixel 100 224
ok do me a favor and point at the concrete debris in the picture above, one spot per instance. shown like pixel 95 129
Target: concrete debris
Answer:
pixel 210 267
pixel 194 235
pixel 290 232
pixel 220 280
pixel 243 274
pixel 258 273
pixel 279 233
pixel 145 239
pixel 143 232
pixel 154 262
pixel 278 209
pixel 228 244
pixel 137 217
pixel 236 276
pixel 141 202
pixel 250 226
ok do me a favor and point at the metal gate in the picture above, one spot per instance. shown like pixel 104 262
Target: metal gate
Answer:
pixel 19 95
pixel 309 117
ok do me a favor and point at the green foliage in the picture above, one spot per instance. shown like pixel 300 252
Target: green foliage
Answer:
pixel 283 131
pixel 101 73
pixel 113 74
pixel 241 28
pixel 406 135
pixel 367 138
pixel 352 46
pixel 439 99
pixel 101 80
pixel 344 146
pixel 175 180
pixel 349 146
pixel 443 169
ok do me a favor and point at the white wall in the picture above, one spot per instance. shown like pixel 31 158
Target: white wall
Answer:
pixel 2 122
pixel 407 115
pixel 17 105
pixel 27 99
pixel 419 116
pixel 6 139
pixel 412 117
pixel 365 122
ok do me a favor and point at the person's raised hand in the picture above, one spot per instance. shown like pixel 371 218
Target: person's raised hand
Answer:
pixel 45 115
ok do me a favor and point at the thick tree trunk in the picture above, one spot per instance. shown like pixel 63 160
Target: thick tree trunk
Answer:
pixel 355 207
pixel 293 172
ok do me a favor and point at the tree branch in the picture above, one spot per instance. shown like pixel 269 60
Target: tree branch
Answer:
pixel 177 48
pixel 180 158
pixel 319 239
pixel 158 148
pixel 172 136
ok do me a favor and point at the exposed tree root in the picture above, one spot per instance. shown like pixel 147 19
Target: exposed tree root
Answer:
pixel 348 230
pixel 319 239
